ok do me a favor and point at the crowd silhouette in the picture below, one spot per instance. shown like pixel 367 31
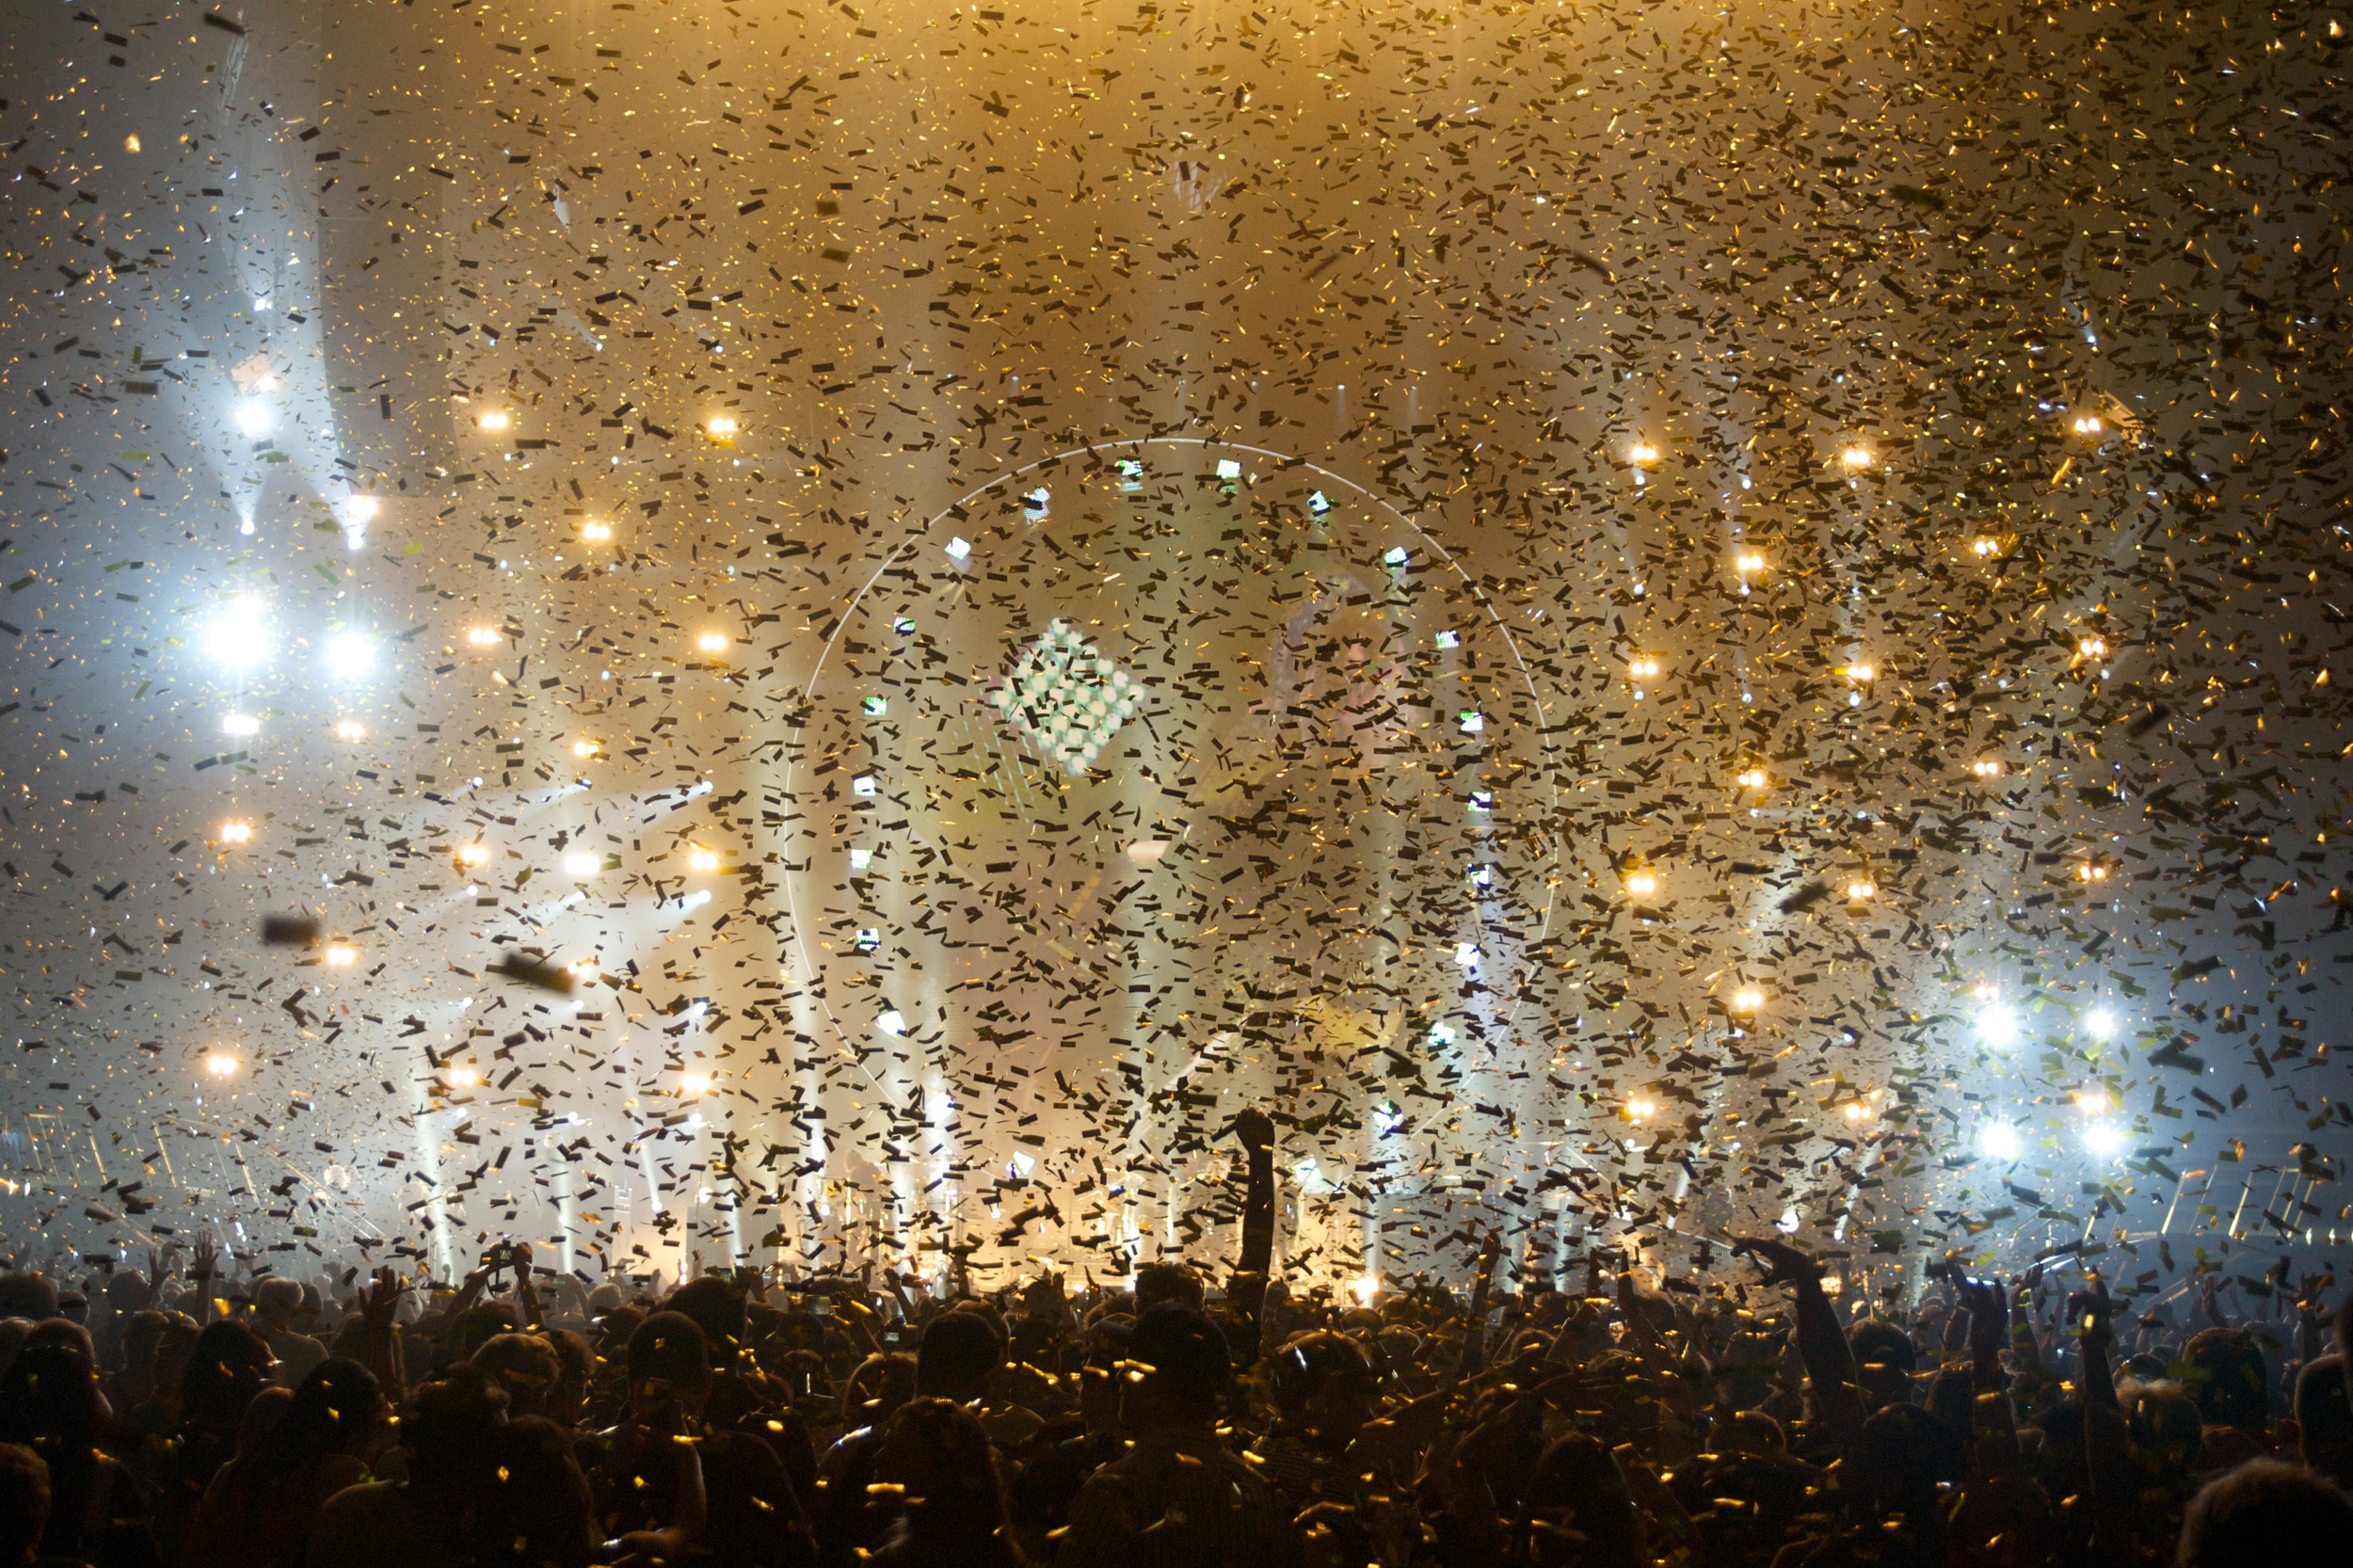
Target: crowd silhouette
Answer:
pixel 188 1413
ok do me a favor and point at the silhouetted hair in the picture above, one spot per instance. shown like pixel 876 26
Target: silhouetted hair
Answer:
pixel 668 1347
pixel 959 1350
pixel 2264 1513
pixel 1185 1355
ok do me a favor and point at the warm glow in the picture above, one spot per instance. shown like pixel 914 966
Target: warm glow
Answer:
pixel 465 1077
pixel 2093 648
pixel 474 854
pixel 721 428
pixel 482 636
pixel 1856 457
pixel 1365 1288
pixel 2093 1101
pixel 236 832
pixel 1857 1111
pixel 1640 1108
pixel 1643 451
pixel 584 748
pixel 1643 668
pixel 1749 564
pixel 1999 1140
pixel 1859 890
pixel 131 142
pixel 1747 1001
pixel 1986 767
pixel 220 1064
pixel 495 419
pixel 583 971
pixel 341 955
pixel 362 508
pixel 1861 672
pixel 712 642
pixel 2092 870
pixel 695 1083
pixel 2087 424
pixel 581 865
pixel 596 533
pixel 1986 545
pixel 704 860
pixel 1752 778
pixel 1641 883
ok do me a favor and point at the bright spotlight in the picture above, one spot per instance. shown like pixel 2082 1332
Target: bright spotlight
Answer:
pixel 712 642
pixel 482 636
pixel 240 639
pixel 474 854
pixel 349 656
pixel 1999 1140
pixel 1997 1026
pixel 465 1077
pixel 1748 999
pixel 1643 451
pixel 2101 1025
pixel 494 419
pixel 1856 1111
pixel 362 508
pixel 1749 565
pixel 581 865
pixel 240 726
pixel 254 417
pixel 704 860
pixel 1365 1290
pixel 1986 767
pixel 1752 779
pixel 1861 672
pixel 236 832
pixel 1642 1108
pixel 220 1064
pixel 2087 424
pixel 1986 545
pixel 695 1083
pixel 341 955
pixel 1641 883
pixel 2093 648
pixel 721 429
pixel 1643 668
pixel 1855 459
pixel 584 748
pixel 1860 890
pixel 2104 1138
pixel 596 533
pixel 350 729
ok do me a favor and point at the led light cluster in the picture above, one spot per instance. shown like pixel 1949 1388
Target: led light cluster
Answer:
pixel 1067 700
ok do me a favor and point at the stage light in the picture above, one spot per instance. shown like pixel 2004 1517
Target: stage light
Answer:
pixel 1986 545
pixel 584 748
pixel 474 854
pixel 2093 648
pixel 2104 1138
pixel 239 638
pixel 2093 1101
pixel 1855 459
pixel 704 860
pixel 581 865
pixel 341 955
pixel 220 1064
pixel 1641 453
pixel 465 1077
pixel 1855 1111
pixel 1749 565
pixel 1641 1107
pixel 890 1022
pixel 362 508
pixel 583 971
pixel 349 656
pixel 1643 668
pixel 493 419
pixel 482 636
pixel 254 417
pixel 596 533
pixel 1366 1289
pixel 721 429
pixel 1861 672
pixel 2101 1025
pixel 1997 1026
pixel 240 726
pixel 1860 890
pixel 1986 767
pixel 350 729
pixel 236 832
pixel 2087 424
pixel 712 642
pixel 2092 870
pixel 1752 778
pixel 1999 1140
pixel 1748 999
pixel 1641 883
pixel 695 1083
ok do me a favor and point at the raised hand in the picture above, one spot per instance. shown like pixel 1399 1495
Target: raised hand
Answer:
pixel 2090 1310
pixel 1255 1127
pixel 379 1300
pixel 1783 1263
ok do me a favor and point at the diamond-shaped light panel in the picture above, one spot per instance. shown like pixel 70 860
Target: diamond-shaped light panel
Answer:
pixel 1065 699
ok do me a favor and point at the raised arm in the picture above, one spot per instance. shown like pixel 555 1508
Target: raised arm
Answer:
pixel 1246 1294
pixel 2106 1451
pixel 1830 1367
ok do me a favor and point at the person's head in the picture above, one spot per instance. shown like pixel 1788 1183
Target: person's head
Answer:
pixel 24 1504
pixel 717 1307
pixel 2265 1513
pixel 333 1411
pixel 668 1360
pixel 951 1501
pixel 2224 1370
pixel 576 1369
pixel 276 1304
pixel 49 1401
pixel 603 1298
pixel 1178 1370
pixel 959 1351
pixel 1322 1384
pixel 476 1327
pixel 1884 1357
pixel 875 1389
pixel 227 1367
pixel 450 1429
pixel 1576 1509
pixel 2325 1419
pixel 31 1297
pixel 1167 1282
pixel 1752 1432
pixel 1893 1466
pixel 1098 1377
pixel 526 1366
pixel 534 1506
pixel 142 1334
pixel 2165 1427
